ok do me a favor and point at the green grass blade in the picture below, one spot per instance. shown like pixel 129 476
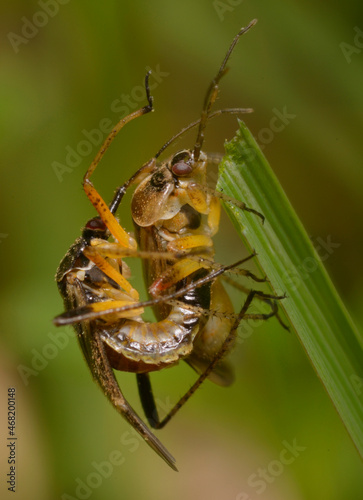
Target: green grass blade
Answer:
pixel 292 265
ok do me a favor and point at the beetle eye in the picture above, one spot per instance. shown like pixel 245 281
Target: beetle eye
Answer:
pixel 181 163
pixel 181 168
pixel 96 224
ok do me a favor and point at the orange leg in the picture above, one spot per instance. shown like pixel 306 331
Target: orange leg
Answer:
pixel 102 264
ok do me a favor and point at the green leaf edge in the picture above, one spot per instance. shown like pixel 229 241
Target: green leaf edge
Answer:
pixel 312 305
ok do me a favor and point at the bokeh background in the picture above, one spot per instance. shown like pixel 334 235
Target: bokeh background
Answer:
pixel 64 77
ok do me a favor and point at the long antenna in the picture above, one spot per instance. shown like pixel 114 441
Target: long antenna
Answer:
pixel 212 92
pixel 231 111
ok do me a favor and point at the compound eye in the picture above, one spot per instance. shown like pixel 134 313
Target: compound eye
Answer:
pixel 96 224
pixel 180 164
pixel 181 168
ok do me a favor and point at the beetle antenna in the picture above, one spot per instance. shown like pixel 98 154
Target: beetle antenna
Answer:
pixel 212 92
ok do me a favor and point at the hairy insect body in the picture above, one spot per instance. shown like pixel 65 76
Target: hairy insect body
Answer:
pixel 131 344
pixel 184 219
pixel 176 216
pixel 180 219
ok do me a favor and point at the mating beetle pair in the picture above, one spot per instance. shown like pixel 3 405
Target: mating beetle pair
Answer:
pixel 175 215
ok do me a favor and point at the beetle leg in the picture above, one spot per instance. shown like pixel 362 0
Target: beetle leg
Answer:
pixel 147 399
pixel 214 215
pixel 116 251
pixel 189 242
pixel 198 198
pixel 223 350
pixel 108 218
pixel 176 273
pixel 92 254
pixel 270 301
pixel 183 268
pixel 229 199
pixel 99 310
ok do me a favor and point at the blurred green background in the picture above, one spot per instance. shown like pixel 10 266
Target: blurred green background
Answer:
pixel 64 77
